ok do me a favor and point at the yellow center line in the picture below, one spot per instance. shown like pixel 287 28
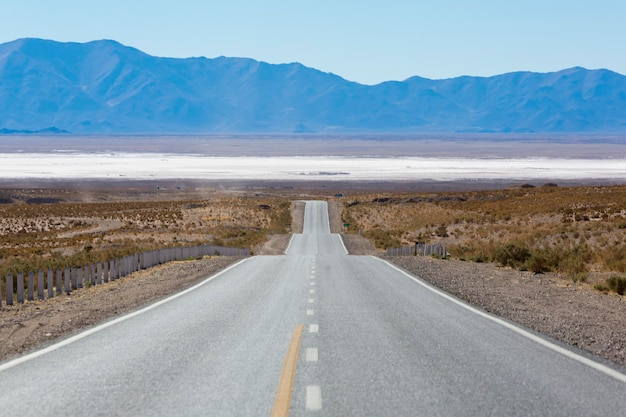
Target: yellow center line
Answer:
pixel 285 386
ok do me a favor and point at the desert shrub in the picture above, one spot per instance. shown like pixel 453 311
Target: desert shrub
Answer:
pixel 614 258
pixel 539 262
pixel 442 231
pixel 470 252
pixel 617 284
pixel 382 239
pixel 573 261
pixel 513 254
pixel 346 218
pixel 241 239
pixel 281 217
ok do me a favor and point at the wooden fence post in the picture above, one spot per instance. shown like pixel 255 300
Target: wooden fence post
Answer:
pixel 105 270
pixel 74 278
pixel 112 269
pixel 97 272
pixel 98 269
pixel 80 279
pixel 40 284
pixel 9 289
pixel 59 285
pixel 50 283
pixel 31 286
pixel 66 281
pixel 20 287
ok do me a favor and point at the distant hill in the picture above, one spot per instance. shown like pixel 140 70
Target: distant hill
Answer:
pixel 106 87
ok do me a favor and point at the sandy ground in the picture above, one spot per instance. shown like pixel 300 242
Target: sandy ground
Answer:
pixel 545 303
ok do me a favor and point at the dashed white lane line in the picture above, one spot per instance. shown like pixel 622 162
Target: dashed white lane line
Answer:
pixel 313 397
pixel 310 312
pixel 311 291
pixel 312 284
pixel 311 355
pixel 311 300
pixel 314 328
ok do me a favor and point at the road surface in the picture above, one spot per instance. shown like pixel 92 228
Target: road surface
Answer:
pixel 312 332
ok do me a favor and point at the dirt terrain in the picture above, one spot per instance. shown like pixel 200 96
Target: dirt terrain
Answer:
pixel 550 303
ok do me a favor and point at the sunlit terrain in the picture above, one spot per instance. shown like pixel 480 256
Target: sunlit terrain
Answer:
pixel 167 166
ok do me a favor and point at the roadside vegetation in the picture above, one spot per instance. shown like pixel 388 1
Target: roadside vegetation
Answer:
pixel 579 232
pixel 41 232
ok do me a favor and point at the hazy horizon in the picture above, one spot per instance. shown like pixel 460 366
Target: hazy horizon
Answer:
pixel 318 159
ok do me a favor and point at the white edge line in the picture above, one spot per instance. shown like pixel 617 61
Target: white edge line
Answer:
pixel 342 244
pixel 289 245
pixel 585 361
pixel 103 326
pixel 327 231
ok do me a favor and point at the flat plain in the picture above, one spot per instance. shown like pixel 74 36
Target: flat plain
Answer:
pixel 549 255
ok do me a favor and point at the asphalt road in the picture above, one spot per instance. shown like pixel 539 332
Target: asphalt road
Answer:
pixel 374 341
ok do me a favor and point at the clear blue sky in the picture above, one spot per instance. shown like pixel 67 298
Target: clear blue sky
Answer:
pixel 361 40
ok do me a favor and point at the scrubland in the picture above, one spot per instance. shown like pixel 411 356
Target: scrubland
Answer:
pixel 579 232
pixel 42 229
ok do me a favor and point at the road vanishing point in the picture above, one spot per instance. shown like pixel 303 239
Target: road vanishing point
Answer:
pixel 314 332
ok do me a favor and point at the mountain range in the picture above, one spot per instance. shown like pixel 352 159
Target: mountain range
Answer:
pixel 103 87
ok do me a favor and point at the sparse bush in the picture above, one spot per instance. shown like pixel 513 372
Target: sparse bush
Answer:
pixel 614 258
pixel 442 231
pixel 469 252
pixel 573 262
pixel 617 284
pixel 382 239
pixel 538 262
pixel 513 254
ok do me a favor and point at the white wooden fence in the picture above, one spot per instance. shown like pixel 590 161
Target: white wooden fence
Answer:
pixel 49 283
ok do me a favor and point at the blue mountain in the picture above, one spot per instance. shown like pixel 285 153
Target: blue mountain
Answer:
pixel 106 87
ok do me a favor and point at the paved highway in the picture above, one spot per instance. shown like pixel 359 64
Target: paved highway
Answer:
pixel 313 332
